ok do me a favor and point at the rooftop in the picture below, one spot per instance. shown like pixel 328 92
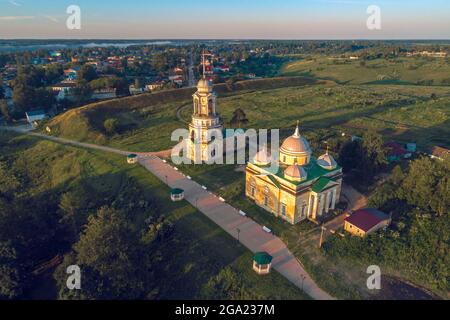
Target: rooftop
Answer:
pixel 262 258
pixel 366 219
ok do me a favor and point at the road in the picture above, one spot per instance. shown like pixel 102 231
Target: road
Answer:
pixel 224 215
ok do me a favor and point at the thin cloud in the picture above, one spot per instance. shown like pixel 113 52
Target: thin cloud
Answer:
pixel 52 19
pixel 15 3
pixel 16 18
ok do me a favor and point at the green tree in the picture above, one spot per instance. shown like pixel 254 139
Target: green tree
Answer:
pixel 82 92
pixel 239 118
pixel 111 125
pixel 11 285
pixel 2 90
pixel 23 97
pixel 4 110
pixel 112 252
pixel 87 73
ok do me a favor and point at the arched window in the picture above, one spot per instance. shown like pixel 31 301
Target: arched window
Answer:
pixel 210 106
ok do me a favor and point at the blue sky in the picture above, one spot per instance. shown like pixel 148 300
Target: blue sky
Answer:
pixel 229 19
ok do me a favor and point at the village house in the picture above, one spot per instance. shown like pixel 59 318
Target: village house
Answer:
pixel 396 151
pixel 440 153
pixel 366 221
pixel 35 116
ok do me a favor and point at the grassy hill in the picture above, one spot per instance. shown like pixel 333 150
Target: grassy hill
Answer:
pixel 407 70
pixel 146 121
pixel 404 113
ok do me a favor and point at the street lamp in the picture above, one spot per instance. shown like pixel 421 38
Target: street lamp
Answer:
pixel 167 180
pixel 238 232
pixel 303 280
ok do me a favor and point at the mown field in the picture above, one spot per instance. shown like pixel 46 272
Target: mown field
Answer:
pixel 405 70
pixel 190 258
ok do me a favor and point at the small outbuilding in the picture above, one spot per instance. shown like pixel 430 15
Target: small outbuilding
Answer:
pixel 262 262
pixel 177 194
pixel 34 117
pixel 132 158
pixel 365 221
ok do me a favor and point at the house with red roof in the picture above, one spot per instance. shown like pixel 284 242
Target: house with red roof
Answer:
pixel 366 221
pixel 396 151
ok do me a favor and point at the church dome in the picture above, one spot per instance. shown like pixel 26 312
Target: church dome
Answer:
pixel 262 158
pixel 295 144
pixel 326 161
pixel 295 173
pixel 204 86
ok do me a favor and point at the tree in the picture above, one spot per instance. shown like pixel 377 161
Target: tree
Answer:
pixel 82 92
pixel 2 90
pixel 112 252
pixel 122 88
pixel 10 272
pixel 4 110
pixel 87 73
pixel 111 125
pixel 72 205
pixel 373 152
pixel 239 118
pixel 138 83
pixel 23 97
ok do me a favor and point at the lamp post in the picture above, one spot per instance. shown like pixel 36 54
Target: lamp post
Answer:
pixel 303 280
pixel 238 232
pixel 167 180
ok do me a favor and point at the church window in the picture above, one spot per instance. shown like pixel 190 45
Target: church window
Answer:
pixel 283 210
pixel 266 201
pixel 266 189
pixel 303 209
pixel 284 158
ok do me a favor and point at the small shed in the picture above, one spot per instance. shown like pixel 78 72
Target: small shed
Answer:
pixel 262 262
pixel 177 194
pixel 365 221
pixel 33 117
pixel 132 158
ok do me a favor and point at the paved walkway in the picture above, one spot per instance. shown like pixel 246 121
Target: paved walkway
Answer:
pixel 227 217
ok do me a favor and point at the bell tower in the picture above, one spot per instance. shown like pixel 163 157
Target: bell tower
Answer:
pixel 204 119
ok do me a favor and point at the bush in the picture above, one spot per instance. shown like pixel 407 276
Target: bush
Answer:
pixel 111 125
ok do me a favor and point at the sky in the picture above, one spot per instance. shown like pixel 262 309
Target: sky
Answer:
pixel 225 19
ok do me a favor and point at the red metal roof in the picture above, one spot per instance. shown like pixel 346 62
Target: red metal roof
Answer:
pixel 395 149
pixel 366 219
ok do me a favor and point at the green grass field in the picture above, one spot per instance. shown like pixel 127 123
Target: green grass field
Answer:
pixel 191 257
pixel 406 70
pixel 403 113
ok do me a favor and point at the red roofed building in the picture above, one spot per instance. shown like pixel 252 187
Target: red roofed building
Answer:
pixel 365 221
pixel 396 151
